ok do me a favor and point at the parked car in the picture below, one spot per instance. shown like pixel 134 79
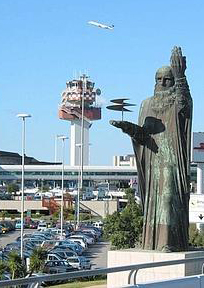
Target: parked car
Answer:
pixel 74 246
pixel 4 228
pixel 98 224
pixel 33 225
pixel 42 226
pixel 79 262
pixel 34 241
pixel 79 241
pixel 64 253
pixel 57 232
pixel 62 266
pixel 18 224
pixel 54 256
pixel 89 240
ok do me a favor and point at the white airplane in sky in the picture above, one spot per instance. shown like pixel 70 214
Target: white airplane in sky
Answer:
pixel 100 25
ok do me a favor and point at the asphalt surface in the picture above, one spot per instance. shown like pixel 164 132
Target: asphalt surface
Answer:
pixel 97 253
pixel 11 236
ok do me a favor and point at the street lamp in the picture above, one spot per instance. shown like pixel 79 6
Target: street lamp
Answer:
pixel 22 116
pixel 62 137
pixel 84 84
pixel 56 138
pixel 78 192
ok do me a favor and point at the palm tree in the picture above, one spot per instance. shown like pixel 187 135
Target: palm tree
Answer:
pixel 37 260
pixel 3 268
pixel 16 266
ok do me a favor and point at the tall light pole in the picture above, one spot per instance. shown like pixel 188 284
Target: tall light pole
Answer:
pixel 63 138
pixel 77 207
pixel 23 116
pixel 84 82
pixel 56 138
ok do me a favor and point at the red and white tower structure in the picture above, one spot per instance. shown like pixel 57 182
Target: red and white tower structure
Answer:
pixel 79 106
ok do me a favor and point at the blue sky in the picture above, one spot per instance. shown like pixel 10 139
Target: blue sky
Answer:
pixel 43 43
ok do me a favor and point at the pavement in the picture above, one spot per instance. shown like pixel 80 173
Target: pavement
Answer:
pixel 97 254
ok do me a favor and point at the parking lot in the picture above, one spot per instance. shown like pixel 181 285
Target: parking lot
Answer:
pixel 97 253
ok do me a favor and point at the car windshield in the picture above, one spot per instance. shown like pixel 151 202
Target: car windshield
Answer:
pixel 74 260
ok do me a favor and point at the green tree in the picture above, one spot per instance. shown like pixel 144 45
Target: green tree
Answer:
pixel 3 268
pixel 130 194
pixel 37 260
pixel 45 188
pixel 124 229
pixel 16 266
pixel 12 188
pixel 68 213
pixel 4 214
pixel 196 237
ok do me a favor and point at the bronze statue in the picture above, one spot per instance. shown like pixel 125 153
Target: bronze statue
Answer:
pixel 161 143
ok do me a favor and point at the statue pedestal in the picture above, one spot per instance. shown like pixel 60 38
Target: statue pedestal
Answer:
pixel 132 256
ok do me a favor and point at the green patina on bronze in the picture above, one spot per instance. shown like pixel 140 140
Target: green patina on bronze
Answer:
pixel 161 142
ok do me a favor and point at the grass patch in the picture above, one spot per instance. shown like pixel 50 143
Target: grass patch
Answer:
pixel 83 284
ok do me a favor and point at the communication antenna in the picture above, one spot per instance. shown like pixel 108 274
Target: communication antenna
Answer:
pixel 120 105
pixel 74 74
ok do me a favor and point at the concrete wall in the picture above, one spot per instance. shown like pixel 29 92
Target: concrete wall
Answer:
pixel 16 205
pixel 100 208
pixel 133 256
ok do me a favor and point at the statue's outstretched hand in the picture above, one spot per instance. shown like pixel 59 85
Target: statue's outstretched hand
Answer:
pixel 178 63
pixel 135 131
pixel 127 127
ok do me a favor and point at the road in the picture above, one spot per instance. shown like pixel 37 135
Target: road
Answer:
pixel 97 253
pixel 11 236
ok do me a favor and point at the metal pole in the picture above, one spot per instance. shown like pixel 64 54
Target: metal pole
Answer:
pixel 84 77
pixel 56 138
pixel 56 149
pixel 82 129
pixel 78 194
pixel 22 116
pixel 62 197
pixel 22 184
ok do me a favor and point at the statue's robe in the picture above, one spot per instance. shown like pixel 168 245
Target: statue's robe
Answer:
pixel 163 163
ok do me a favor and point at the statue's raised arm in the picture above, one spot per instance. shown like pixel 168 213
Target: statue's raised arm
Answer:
pixel 178 63
pixel 178 68
pixel 139 134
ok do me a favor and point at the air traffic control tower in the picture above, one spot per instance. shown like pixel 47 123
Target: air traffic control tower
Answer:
pixel 79 106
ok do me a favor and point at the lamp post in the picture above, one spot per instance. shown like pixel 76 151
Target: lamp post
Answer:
pixel 22 116
pixel 78 192
pixel 84 84
pixel 56 138
pixel 63 138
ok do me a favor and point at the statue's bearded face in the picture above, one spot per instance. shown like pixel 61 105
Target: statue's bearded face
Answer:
pixel 164 79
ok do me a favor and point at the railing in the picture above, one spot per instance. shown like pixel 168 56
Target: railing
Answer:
pixel 104 271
